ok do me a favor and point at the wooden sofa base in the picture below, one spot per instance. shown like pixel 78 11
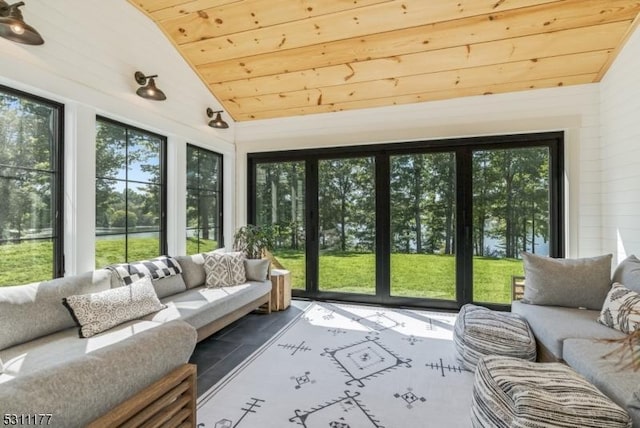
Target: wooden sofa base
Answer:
pixel 220 323
pixel 169 402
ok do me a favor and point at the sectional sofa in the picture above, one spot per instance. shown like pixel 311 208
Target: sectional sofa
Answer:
pixel 568 331
pixel 47 368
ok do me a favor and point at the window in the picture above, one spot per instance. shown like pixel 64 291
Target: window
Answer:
pixel 433 223
pixel 130 193
pixel 204 200
pixel 31 155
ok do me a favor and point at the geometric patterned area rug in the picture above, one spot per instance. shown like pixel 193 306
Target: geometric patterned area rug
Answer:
pixel 347 366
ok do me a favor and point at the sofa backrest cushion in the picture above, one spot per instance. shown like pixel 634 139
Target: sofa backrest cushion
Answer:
pixel 164 286
pixel 192 270
pixel 571 283
pixel 34 310
pixel 628 273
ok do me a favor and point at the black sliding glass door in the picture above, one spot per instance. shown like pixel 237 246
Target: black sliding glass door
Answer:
pixel 434 224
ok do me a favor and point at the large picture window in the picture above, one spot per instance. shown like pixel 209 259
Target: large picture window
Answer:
pixel 204 200
pixel 31 187
pixel 130 193
pixel 433 223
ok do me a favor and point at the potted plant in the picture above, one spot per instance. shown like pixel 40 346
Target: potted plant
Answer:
pixel 254 241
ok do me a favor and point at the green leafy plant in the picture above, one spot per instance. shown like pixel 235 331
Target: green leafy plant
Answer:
pixel 253 240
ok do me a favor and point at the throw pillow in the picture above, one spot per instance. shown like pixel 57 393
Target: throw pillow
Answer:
pixel 574 283
pixel 224 269
pixel 257 269
pixel 628 273
pixel 101 311
pixel 621 309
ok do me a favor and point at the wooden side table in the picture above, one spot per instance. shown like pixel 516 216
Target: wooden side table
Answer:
pixel 280 289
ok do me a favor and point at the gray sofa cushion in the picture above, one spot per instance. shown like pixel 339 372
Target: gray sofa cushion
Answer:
pixel 81 389
pixel 622 386
pixel 201 306
pixel 572 283
pixel 257 269
pixel 192 270
pixel 41 304
pixel 553 324
pixel 628 273
pixel 170 285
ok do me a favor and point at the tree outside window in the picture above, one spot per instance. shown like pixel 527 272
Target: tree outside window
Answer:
pixel 30 185
pixel 130 194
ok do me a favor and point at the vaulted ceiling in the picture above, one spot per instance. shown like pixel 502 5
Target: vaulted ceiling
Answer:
pixel 278 58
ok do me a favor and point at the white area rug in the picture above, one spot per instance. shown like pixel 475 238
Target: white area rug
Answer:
pixel 347 366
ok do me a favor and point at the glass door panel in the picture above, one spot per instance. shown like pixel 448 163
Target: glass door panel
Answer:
pixel 280 203
pixel 347 207
pixel 422 208
pixel 511 214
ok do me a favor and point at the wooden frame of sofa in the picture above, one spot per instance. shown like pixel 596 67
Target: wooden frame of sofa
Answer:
pixel 263 303
pixel 169 402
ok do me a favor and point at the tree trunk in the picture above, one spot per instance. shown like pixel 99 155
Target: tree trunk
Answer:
pixel 417 190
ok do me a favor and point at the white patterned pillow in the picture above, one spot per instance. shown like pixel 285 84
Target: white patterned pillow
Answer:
pixel 237 272
pixel 621 309
pixel 224 269
pixel 101 311
pixel 216 270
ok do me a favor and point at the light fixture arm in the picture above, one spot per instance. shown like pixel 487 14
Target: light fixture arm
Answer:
pixel 141 79
pixel 211 112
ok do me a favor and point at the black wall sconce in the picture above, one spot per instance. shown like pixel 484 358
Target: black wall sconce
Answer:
pixel 217 122
pixel 13 27
pixel 148 90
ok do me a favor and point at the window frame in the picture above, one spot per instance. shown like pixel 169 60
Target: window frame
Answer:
pixel 57 191
pixel 162 184
pixel 463 148
pixel 219 192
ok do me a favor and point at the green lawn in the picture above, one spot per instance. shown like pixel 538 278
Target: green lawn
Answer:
pixel 415 275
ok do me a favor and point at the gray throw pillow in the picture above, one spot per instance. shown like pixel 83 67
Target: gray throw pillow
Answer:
pixel 628 273
pixel 101 311
pixel 257 269
pixel 572 283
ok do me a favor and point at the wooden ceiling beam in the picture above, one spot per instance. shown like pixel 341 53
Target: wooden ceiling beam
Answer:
pixel 521 71
pixel 584 39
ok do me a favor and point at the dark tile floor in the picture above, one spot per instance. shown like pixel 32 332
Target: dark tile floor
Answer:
pixel 220 353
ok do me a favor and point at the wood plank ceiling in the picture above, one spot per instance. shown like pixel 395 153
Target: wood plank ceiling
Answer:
pixel 278 58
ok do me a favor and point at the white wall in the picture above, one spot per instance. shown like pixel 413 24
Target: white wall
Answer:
pixel 571 109
pixel 620 157
pixel 92 48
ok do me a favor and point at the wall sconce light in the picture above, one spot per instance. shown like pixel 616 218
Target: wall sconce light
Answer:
pixel 150 91
pixel 217 122
pixel 13 27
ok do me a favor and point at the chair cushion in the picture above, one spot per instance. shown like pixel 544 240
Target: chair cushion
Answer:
pixel 479 331
pixel 513 393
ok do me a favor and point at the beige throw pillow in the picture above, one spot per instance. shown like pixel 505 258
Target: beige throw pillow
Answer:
pixel 621 309
pixel 101 311
pixel 224 269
